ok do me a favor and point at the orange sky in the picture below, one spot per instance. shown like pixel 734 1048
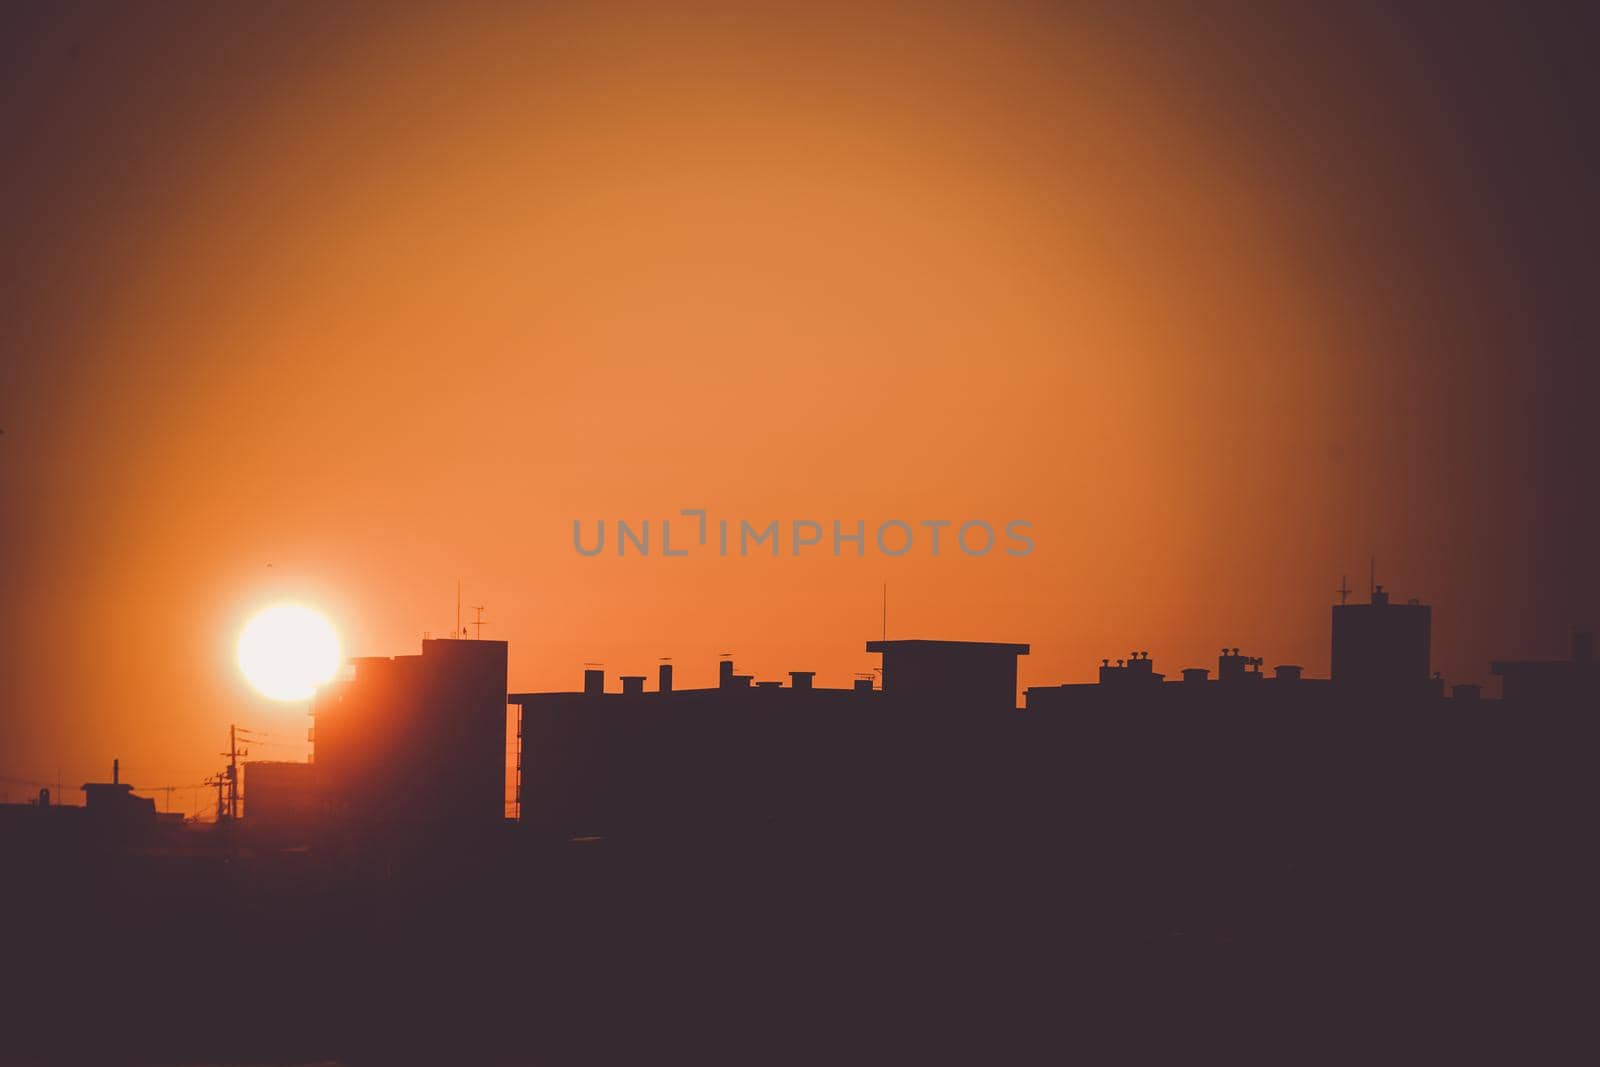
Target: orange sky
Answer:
pixel 344 309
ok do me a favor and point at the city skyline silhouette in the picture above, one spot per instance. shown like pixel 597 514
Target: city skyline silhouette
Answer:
pixel 667 844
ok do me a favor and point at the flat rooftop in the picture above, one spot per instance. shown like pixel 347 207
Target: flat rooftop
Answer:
pixel 949 646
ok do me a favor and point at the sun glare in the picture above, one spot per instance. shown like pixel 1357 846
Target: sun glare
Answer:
pixel 287 651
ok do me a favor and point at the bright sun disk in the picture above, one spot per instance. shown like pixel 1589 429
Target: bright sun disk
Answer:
pixel 287 651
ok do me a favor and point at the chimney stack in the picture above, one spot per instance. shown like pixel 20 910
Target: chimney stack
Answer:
pixel 801 679
pixel 594 681
pixel 633 683
pixel 664 678
pixel 116 771
pixel 725 674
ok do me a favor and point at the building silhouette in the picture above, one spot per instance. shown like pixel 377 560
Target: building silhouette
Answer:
pixel 1568 683
pixel 1381 646
pixel 415 740
pixel 974 675
pixel 112 807
pixel 279 793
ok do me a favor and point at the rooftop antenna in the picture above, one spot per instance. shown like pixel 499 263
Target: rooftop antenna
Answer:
pixel 1372 576
pixel 459 630
pixel 478 622
pixel 1344 588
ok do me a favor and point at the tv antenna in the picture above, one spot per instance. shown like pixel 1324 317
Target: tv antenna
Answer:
pixel 1344 588
pixel 478 622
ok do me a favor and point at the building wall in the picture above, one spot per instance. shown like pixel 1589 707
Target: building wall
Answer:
pixel 278 792
pixel 1381 644
pixel 417 738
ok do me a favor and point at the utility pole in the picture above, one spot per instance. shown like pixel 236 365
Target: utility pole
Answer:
pixel 220 781
pixel 231 775
pixel 233 772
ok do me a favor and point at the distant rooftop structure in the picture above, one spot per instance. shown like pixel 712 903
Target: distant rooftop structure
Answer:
pixel 970 675
pixel 114 801
pixel 1561 682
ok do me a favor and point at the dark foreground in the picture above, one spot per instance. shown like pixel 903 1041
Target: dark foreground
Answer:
pixel 1377 893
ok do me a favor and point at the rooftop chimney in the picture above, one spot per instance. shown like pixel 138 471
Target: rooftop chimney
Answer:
pixel 594 681
pixel 116 771
pixel 1286 672
pixel 1379 597
pixel 863 685
pixel 664 675
pixel 801 679
pixel 633 683
pixel 725 673
pixel 1195 674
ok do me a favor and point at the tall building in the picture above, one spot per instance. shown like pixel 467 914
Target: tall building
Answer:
pixel 416 739
pixel 1380 646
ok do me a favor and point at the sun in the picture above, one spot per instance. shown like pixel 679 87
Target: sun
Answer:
pixel 287 651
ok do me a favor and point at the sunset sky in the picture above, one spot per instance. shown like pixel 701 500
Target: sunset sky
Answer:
pixel 344 304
